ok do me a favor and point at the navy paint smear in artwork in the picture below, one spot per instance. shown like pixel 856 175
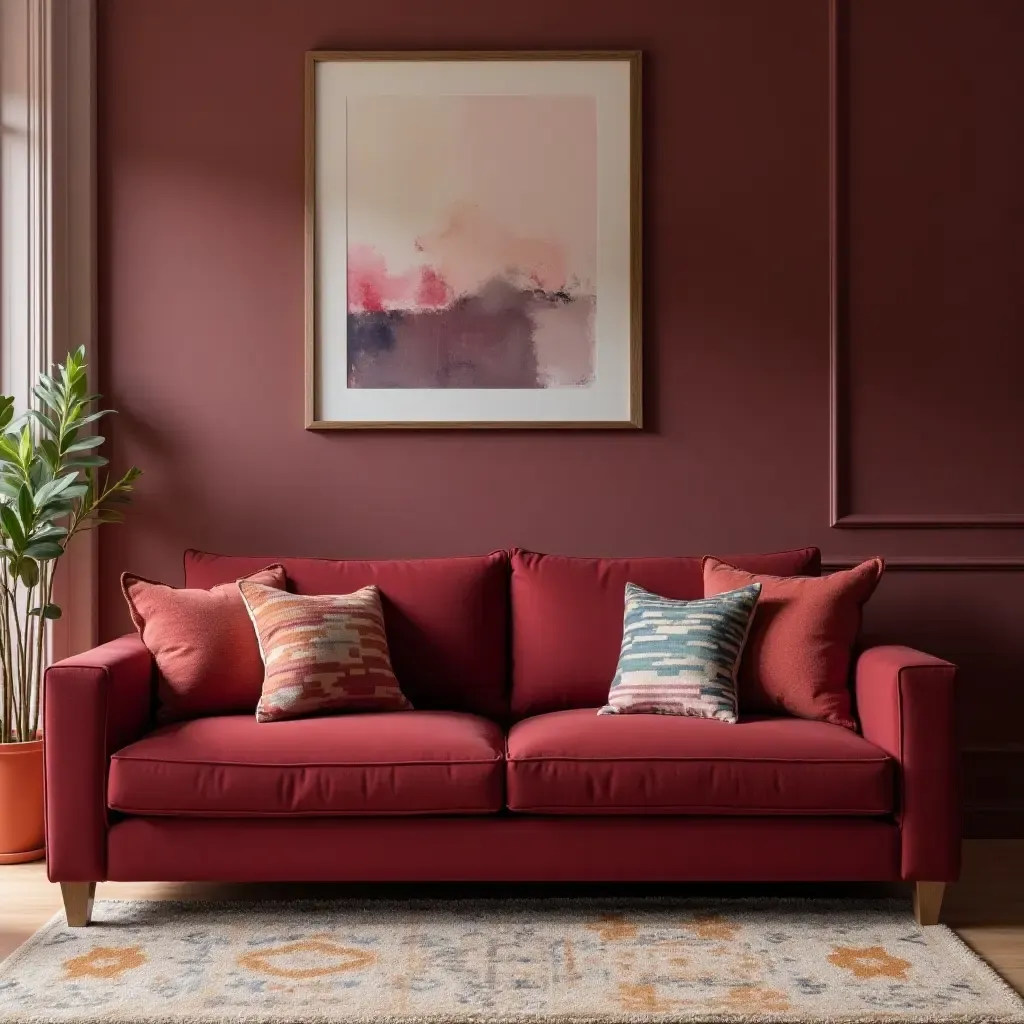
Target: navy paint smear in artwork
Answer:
pixel 372 333
pixel 484 340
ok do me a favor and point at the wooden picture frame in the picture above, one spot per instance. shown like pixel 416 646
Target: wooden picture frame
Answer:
pixel 553 376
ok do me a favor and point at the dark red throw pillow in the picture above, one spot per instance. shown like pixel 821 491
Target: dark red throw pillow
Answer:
pixel 797 657
pixel 203 643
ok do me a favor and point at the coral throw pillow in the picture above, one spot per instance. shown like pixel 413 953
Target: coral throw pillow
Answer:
pixel 798 653
pixel 681 657
pixel 322 653
pixel 203 644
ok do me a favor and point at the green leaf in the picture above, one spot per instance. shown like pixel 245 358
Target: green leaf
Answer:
pixel 87 461
pixel 39 473
pixel 43 420
pixel 26 508
pixel 18 424
pixel 50 452
pixel 9 488
pixel 47 393
pixel 93 416
pixel 6 411
pixel 50 532
pixel 53 488
pixel 25 446
pixel 44 549
pixel 28 570
pixel 85 444
pixel 54 508
pixel 9 521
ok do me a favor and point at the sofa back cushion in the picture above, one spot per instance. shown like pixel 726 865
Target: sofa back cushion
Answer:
pixel 567 617
pixel 446 619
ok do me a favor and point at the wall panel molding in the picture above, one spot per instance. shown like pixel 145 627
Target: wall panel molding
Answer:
pixel 840 515
pixel 931 563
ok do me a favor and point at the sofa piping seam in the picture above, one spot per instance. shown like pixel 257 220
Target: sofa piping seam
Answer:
pixel 105 770
pixel 257 814
pixel 708 809
pixel 687 759
pixel 310 764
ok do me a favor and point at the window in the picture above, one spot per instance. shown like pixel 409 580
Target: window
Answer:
pixel 47 231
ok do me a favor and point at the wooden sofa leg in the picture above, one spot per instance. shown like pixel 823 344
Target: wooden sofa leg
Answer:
pixel 78 897
pixel 928 902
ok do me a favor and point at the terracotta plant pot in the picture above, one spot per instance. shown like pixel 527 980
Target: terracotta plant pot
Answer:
pixel 21 802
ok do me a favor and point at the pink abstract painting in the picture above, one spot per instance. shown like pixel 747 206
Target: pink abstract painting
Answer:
pixel 472 241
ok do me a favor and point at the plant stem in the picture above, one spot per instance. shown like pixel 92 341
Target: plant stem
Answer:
pixel 5 711
pixel 45 593
pixel 10 710
pixel 6 718
pixel 22 694
pixel 26 668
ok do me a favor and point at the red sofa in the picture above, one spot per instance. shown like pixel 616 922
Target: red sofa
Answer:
pixel 504 772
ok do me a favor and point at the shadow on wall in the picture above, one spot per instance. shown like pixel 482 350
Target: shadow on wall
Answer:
pixel 167 484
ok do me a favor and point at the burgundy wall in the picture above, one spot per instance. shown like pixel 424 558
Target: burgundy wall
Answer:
pixel 201 308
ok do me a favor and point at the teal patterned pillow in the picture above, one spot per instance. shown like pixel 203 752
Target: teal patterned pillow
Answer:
pixel 681 657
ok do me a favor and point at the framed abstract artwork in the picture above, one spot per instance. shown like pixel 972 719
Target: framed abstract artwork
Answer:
pixel 473 240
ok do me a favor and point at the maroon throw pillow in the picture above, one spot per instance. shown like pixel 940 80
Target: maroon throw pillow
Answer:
pixel 203 642
pixel 797 657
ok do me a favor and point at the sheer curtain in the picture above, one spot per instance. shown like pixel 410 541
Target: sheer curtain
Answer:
pixel 14 200
pixel 47 232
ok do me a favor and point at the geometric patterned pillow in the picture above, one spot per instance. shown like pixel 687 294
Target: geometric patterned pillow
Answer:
pixel 681 657
pixel 321 653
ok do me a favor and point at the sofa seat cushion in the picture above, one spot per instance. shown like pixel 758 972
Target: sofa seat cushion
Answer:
pixel 405 762
pixel 576 762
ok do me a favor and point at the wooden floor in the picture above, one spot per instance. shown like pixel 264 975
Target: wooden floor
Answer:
pixel 986 908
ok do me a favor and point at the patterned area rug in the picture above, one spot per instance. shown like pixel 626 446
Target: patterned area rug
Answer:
pixel 543 961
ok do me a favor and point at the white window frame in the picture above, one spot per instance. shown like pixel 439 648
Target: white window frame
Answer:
pixel 48 235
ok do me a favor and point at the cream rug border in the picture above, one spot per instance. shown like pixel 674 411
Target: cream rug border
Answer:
pixel 941 934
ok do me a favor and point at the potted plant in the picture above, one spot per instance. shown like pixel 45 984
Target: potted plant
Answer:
pixel 51 488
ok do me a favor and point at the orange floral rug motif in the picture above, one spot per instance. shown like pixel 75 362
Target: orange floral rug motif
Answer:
pixel 569 961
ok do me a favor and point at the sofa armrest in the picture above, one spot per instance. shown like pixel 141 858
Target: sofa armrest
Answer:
pixel 93 704
pixel 905 704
